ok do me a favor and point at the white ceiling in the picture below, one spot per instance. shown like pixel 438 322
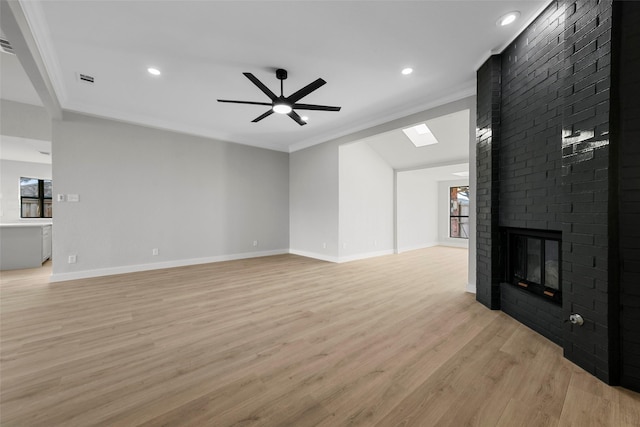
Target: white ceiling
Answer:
pixel 202 48
pixel 451 131
pixel 443 173
pixel 25 150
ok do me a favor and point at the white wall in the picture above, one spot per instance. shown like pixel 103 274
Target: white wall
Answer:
pixel 195 199
pixel 24 120
pixel 471 285
pixel 10 173
pixel 417 210
pixel 365 203
pixel 313 199
pixel 423 207
pixel 315 192
pixel 130 232
pixel 443 213
pixel 465 103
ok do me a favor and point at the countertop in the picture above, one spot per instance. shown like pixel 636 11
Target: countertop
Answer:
pixel 25 224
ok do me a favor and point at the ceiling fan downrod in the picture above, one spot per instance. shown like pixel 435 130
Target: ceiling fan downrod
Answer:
pixel 282 76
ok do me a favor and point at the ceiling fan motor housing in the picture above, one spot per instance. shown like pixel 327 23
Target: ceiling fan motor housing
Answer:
pixel 281 74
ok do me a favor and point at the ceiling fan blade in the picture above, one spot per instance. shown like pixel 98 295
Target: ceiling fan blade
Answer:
pixel 315 107
pixel 244 102
pixel 297 118
pixel 262 116
pixel 296 96
pixel 272 96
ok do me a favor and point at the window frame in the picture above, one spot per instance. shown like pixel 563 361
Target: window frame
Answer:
pixel 40 199
pixel 451 216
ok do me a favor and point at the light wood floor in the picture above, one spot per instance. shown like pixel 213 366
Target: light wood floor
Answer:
pixel 285 341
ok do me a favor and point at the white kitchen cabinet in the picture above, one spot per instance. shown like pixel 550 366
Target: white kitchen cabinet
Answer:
pixel 46 242
pixel 24 245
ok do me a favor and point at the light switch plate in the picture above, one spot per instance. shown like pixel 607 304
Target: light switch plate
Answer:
pixel 73 198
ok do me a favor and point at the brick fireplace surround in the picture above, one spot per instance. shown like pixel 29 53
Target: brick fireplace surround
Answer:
pixel 558 149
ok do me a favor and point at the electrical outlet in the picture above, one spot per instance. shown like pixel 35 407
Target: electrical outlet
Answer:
pixel 324 246
pixel 72 259
pixel 154 251
pixel 255 243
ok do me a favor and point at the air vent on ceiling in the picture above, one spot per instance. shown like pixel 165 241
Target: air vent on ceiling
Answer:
pixel 5 46
pixel 85 78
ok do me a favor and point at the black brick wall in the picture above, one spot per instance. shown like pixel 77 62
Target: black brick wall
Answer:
pixel 530 181
pixel 487 143
pixel 559 165
pixel 533 311
pixel 627 92
pixel 531 125
pixel 585 185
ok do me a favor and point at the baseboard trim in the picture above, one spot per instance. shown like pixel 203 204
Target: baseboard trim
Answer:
pixel 366 255
pixel 339 260
pixel 314 255
pixel 85 274
pixel 453 244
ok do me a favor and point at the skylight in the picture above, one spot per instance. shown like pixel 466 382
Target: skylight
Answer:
pixel 420 135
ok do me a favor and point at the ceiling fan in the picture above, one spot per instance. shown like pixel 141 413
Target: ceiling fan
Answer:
pixel 284 104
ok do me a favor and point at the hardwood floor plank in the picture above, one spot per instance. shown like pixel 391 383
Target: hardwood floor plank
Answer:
pixel 542 368
pixel 442 392
pixel 582 408
pixel 281 341
pixel 519 413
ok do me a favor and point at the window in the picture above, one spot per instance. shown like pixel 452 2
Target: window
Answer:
pixel 35 198
pixel 459 212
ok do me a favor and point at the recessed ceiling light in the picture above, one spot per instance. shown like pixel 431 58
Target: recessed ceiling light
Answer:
pixel 407 71
pixel 509 18
pixel 282 108
pixel 420 135
pixel 153 71
pixel 305 118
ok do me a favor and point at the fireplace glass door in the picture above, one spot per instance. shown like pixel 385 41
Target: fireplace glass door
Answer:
pixel 534 263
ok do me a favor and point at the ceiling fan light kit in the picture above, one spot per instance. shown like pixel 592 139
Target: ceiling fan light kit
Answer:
pixel 284 104
pixel 282 108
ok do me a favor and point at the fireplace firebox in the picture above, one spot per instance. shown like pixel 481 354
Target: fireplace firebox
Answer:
pixel 533 261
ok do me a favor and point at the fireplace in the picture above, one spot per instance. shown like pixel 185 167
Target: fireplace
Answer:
pixel 532 262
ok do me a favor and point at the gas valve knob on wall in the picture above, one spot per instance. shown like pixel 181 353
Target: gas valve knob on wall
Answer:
pixel 576 319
